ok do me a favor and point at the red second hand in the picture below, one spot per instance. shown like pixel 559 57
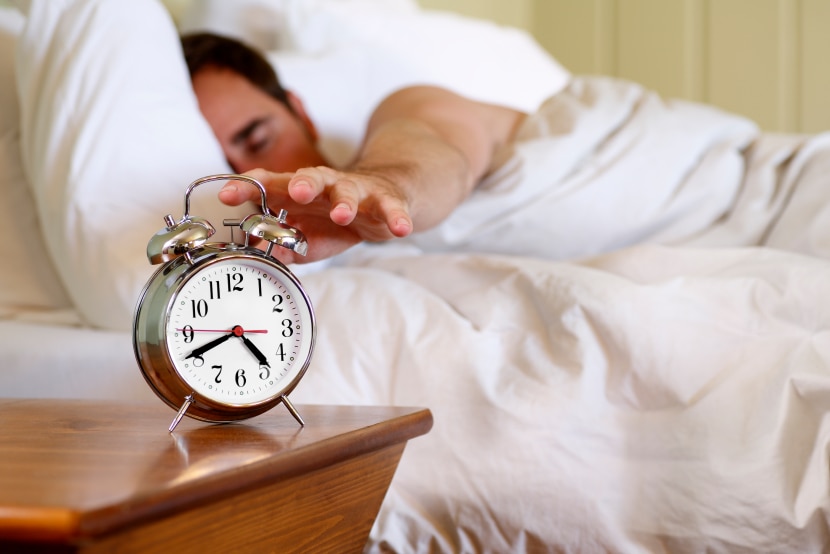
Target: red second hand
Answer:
pixel 223 330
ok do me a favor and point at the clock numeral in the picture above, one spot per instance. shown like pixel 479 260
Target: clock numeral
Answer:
pixel 198 361
pixel 264 372
pixel 281 353
pixel 199 307
pixel 187 332
pixel 240 378
pixel 277 299
pixel 215 292
pixel 218 370
pixel 234 282
pixel 288 331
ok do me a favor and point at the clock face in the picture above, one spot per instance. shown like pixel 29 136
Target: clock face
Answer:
pixel 239 331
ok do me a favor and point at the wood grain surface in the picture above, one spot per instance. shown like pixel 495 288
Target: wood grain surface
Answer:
pixel 82 476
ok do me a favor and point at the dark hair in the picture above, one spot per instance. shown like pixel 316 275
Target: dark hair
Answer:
pixel 208 49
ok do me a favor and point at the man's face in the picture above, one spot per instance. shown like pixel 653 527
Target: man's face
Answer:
pixel 254 129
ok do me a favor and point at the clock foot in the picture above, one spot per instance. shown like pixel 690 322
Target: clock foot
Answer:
pixel 188 400
pixel 293 410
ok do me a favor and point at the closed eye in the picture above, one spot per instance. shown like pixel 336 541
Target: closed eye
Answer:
pixel 255 136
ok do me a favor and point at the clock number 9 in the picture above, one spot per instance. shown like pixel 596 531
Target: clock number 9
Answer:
pixel 187 333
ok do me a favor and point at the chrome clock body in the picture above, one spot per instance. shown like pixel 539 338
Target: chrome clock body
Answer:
pixel 241 297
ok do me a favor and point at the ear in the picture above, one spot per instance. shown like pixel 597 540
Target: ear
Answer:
pixel 299 109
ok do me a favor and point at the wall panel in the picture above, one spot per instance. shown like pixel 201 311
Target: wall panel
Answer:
pixel 814 48
pixel 516 13
pixel 651 39
pixel 761 58
pixel 582 33
pixel 751 56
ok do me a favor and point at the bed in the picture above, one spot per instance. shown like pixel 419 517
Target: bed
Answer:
pixel 642 376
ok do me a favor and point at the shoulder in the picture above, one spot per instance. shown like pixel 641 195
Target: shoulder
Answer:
pixel 439 105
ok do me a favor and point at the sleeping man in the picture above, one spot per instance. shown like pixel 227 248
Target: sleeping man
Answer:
pixel 460 173
pixel 424 152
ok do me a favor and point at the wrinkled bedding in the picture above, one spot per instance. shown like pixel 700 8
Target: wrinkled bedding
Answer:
pixel 650 400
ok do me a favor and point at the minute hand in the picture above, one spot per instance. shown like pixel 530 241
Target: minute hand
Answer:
pixel 212 344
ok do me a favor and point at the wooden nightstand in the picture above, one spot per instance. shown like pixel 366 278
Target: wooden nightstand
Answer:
pixel 80 476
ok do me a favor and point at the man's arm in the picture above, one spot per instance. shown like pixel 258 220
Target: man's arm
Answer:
pixel 424 152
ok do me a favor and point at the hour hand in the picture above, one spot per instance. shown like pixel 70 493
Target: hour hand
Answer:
pixel 255 351
pixel 212 344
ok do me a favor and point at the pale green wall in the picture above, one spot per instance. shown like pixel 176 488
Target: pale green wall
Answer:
pixel 765 59
pixel 516 13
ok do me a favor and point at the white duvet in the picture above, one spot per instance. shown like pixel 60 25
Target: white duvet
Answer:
pixel 652 400
pixel 629 353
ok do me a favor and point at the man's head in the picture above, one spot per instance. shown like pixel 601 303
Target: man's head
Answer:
pixel 258 122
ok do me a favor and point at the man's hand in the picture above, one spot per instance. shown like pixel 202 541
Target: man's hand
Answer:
pixel 334 209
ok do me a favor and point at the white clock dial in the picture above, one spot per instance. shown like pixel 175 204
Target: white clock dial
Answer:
pixel 239 331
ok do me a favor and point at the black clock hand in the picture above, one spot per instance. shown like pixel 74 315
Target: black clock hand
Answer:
pixel 212 344
pixel 255 351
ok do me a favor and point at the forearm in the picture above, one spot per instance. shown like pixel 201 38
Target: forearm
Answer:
pixel 435 147
pixel 433 176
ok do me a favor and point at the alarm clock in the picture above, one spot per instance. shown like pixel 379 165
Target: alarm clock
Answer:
pixel 223 331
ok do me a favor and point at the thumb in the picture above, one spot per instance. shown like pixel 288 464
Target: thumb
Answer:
pixel 237 192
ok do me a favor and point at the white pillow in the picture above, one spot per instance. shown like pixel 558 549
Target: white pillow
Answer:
pixel 270 24
pixel 343 56
pixel 111 135
pixel 29 286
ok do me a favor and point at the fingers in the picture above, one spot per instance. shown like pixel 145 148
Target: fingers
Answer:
pixel 343 194
pixel 345 199
pixel 350 194
pixel 375 205
pixel 397 217
pixel 235 193
pixel 400 224
pixel 310 182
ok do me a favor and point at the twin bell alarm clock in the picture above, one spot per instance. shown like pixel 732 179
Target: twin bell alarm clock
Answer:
pixel 223 331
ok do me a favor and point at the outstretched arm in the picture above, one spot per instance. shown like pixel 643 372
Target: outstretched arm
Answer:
pixel 425 150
